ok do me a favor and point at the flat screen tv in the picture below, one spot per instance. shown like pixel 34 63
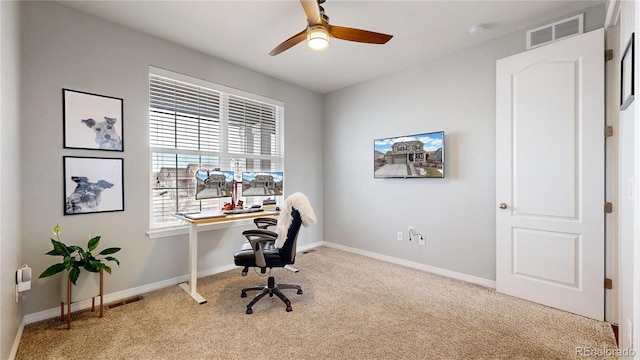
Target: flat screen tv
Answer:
pixel 262 183
pixel 213 184
pixel 410 156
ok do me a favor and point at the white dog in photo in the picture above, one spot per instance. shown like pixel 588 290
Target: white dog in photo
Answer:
pixel 106 135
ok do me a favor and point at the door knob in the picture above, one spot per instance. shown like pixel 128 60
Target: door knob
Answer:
pixel 503 206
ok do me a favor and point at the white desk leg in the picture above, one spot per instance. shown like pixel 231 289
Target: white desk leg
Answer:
pixel 193 266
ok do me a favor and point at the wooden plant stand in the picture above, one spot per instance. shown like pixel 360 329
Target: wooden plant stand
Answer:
pixel 93 301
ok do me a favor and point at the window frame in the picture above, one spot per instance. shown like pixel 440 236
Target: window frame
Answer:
pixel 224 156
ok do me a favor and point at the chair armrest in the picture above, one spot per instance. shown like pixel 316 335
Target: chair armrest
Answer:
pixel 258 238
pixel 264 223
pixel 267 234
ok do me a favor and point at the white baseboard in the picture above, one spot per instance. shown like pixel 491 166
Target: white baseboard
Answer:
pixel 309 246
pixel 432 269
pixel 16 342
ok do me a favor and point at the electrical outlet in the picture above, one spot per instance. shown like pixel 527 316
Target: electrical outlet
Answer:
pixel 629 334
pixel 411 229
pixel 421 241
pixel 399 235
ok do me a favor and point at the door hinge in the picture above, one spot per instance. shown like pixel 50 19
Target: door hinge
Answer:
pixel 608 207
pixel 608 284
pixel 608 131
pixel 608 55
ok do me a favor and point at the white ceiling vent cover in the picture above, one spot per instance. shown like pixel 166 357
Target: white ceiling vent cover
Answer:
pixel 555 31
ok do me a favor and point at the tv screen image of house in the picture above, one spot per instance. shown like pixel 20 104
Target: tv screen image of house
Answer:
pixel 262 183
pixel 411 156
pixel 213 184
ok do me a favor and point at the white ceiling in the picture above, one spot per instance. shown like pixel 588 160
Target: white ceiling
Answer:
pixel 243 32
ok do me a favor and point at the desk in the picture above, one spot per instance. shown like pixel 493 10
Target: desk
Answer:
pixel 190 287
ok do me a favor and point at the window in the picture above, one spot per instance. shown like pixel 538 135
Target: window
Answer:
pixel 196 125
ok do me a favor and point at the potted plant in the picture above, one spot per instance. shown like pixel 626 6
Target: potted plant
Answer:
pixel 75 258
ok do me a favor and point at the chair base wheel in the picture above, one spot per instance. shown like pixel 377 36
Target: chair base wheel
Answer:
pixel 271 289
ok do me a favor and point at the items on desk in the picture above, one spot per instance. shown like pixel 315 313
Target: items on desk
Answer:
pixel 231 206
pixel 241 211
pixel 269 204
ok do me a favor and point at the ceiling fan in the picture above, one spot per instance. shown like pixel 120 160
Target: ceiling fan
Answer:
pixel 319 30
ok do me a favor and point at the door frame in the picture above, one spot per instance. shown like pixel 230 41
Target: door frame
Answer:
pixel 612 118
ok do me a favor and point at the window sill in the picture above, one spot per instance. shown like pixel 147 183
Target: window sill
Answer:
pixel 184 229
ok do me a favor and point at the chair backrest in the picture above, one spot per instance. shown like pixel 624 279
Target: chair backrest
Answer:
pixel 288 250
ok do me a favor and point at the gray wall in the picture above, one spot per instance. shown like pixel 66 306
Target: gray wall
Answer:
pixel 64 48
pixel 10 249
pixel 455 93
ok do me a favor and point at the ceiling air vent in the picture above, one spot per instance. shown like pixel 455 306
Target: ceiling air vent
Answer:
pixel 555 31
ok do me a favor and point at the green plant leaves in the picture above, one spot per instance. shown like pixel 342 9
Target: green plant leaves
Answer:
pixel 51 270
pixel 93 243
pixel 108 251
pixel 68 262
pixel 60 248
pixel 93 265
pixel 73 274
pixel 107 268
pixel 111 258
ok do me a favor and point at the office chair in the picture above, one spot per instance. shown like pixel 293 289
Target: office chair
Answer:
pixel 267 249
pixel 261 252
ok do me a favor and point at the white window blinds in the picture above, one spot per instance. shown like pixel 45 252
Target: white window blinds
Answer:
pixel 193 127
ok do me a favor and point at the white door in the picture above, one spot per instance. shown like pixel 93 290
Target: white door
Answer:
pixel 550 175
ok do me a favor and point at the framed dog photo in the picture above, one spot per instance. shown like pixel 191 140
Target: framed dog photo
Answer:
pixel 91 121
pixel 92 185
pixel 627 92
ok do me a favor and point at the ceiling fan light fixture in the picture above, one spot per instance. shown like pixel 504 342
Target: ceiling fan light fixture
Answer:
pixel 317 38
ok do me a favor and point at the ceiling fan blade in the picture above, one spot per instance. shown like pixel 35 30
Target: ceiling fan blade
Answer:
pixel 363 36
pixel 289 43
pixel 312 9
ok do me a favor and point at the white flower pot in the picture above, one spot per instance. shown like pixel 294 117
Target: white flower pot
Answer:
pixel 87 286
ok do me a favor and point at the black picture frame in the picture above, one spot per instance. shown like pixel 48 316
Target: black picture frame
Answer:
pixel 409 156
pixel 627 85
pixel 92 121
pixel 92 185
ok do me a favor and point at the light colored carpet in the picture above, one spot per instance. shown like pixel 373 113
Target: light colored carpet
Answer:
pixel 353 307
